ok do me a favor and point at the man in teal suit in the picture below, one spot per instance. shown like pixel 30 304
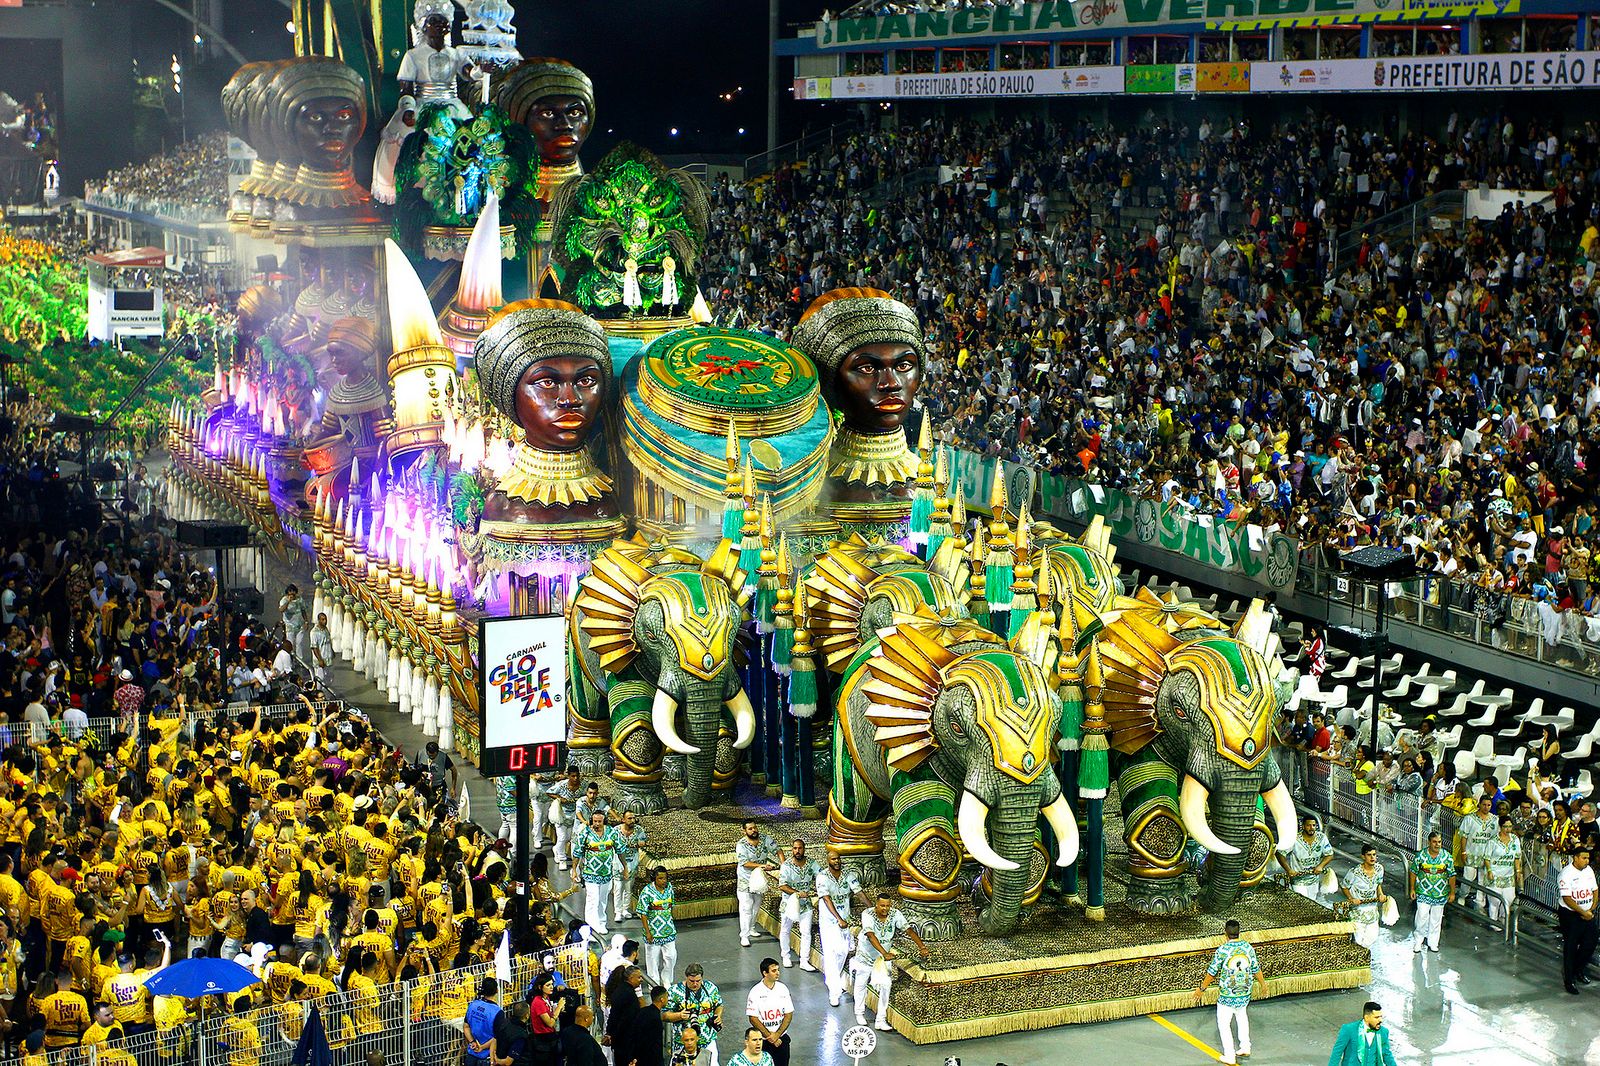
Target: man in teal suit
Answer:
pixel 1363 1043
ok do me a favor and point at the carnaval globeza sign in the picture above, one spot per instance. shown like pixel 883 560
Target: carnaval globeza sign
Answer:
pixel 1053 17
pixel 1527 70
pixel 524 695
pixel 977 85
pixel 1271 560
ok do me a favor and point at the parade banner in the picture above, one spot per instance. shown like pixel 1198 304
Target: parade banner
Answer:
pixel 1268 559
pixel 1156 78
pixel 1057 17
pixel 1069 81
pixel 1525 70
pixel 1222 78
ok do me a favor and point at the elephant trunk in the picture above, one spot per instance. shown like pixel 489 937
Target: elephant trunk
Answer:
pixel 1233 818
pixel 702 716
pixel 1012 827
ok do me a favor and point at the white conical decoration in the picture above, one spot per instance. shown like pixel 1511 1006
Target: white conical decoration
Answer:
pixel 413 688
pixel 374 663
pixel 430 704
pixel 393 685
pixel 447 719
pixel 405 688
pixel 380 666
pixel 348 641
pixel 358 650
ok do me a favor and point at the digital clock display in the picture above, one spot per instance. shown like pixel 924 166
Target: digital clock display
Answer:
pixel 524 759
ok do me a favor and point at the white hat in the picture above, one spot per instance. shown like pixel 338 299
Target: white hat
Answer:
pixel 126 675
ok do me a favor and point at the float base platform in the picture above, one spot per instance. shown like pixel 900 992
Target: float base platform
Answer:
pixel 1059 968
pixel 696 847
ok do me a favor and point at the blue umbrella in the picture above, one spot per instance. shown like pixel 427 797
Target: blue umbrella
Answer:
pixel 201 977
pixel 313 1050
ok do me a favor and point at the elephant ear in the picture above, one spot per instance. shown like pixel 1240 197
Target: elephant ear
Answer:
pixel 904 678
pixel 1133 657
pixel 835 594
pixel 604 608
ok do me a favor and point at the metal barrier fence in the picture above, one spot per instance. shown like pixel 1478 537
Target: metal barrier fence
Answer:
pixel 1446 606
pixel 1400 819
pixel 415 1023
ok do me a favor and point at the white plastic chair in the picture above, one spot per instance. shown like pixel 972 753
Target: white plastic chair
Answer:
pixel 1429 698
pixel 1457 708
pixel 1449 738
pixel 1585 782
pixel 1483 750
pixel 1581 750
pixel 1486 719
pixel 1535 709
pixel 1465 764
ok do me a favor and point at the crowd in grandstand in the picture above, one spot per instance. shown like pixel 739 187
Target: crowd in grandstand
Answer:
pixel 193 176
pixel 1196 312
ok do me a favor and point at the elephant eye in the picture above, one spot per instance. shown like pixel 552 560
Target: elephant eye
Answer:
pixel 956 730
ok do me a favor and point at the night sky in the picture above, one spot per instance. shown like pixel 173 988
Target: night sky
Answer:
pixel 656 64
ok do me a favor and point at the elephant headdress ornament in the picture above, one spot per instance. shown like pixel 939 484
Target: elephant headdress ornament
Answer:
pixel 1200 700
pixel 655 629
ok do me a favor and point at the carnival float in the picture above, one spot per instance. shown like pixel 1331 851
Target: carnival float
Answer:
pixel 506 396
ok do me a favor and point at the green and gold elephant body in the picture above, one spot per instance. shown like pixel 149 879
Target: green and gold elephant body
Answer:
pixel 654 630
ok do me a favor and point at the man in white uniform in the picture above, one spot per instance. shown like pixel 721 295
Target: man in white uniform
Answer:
pixel 879 927
pixel 797 880
pixel 834 890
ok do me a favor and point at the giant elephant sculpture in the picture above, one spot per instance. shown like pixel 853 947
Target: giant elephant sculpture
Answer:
pixel 654 630
pixel 950 729
pixel 1189 706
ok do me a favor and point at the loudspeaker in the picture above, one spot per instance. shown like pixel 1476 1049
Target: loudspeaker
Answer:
pixel 213 533
pixel 244 600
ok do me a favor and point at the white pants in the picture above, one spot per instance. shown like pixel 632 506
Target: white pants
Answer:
pixel 835 949
pixel 749 907
pixel 622 889
pixel 661 962
pixel 861 975
pixel 540 819
pixel 1499 901
pixel 594 906
pixel 1430 916
pixel 803 923
pixel 563 844
pixel 1366 933
pixel 1312 891
pixel 1226 1017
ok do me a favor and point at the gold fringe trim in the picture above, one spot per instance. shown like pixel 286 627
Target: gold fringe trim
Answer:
pixel 872 459
pixel 1131 953
pixel 1108 1010
pixel 553 478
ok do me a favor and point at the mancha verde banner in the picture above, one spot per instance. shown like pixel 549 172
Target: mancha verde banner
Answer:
pixel 1269 559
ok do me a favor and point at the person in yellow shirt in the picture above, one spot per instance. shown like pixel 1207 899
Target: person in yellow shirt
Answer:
pixel 61 914
pixel 103 1025
pixel 131 1002
pixel 372 939
pixel 65 1013
pixel 316 983
pixel 75 956
pixel 112 1052
pixel 13 897
pixel 240 1040
pixel 280 975
pixel 33 1050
